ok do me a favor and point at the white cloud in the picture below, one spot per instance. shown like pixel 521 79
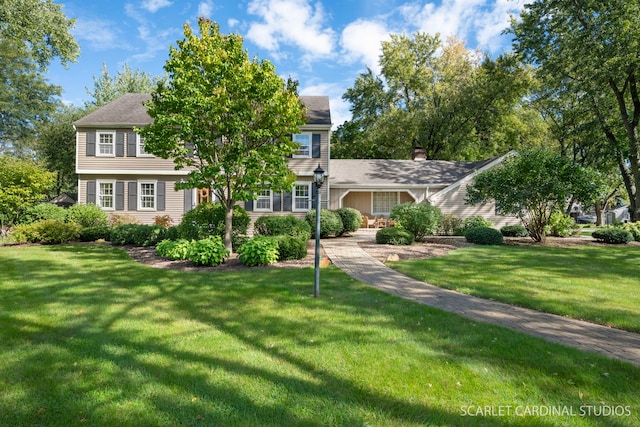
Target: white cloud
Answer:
pixel 233 23
pixel 361 41
pixel 291 22
pixel 98 33
pixel 205 9
pixel 154 5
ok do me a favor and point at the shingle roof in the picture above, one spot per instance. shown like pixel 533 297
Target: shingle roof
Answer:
pixel 129 111
pixel 376 172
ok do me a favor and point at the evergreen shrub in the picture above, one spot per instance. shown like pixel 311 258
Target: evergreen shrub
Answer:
pixel 484 236
pixel 394 236
pixel 613 235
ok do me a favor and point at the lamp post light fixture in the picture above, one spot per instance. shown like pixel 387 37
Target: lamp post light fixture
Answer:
pixel 318 180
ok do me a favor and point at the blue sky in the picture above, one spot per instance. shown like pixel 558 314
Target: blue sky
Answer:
pixel 324 44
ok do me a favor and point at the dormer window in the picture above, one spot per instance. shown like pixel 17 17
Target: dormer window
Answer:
pixel 304 142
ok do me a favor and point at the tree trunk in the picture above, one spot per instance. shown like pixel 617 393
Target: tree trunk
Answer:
pixel 228 224
pixel 598 209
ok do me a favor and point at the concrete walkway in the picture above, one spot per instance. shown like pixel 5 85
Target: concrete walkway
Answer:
pixel 347 255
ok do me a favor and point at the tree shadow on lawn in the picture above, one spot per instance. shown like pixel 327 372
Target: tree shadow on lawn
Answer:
pixel 90 361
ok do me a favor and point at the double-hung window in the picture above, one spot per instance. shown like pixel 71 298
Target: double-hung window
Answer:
pixel 147 196
pixel 106 143
pixel 302 197
pixel 304 142
pixel 140 147
pixel 265 201
pixel 106 194
pixel 383 202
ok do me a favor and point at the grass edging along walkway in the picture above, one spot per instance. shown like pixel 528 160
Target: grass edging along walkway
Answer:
pixel 89 337
pixel 593 283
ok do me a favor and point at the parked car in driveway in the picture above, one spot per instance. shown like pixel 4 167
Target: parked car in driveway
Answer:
pixel 586 219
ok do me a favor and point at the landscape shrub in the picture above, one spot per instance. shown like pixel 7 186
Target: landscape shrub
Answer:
pixel 514 231
pixel 261 250
pixel 207 220
pixel 451 225
pixel 351 219
pixel 484 236
pixel 394 236
pixel 633 228
pixel 330 222
pixel 561 225
pixel 173 249
pixel 613 235
pixel 163 220
pixel 172 233
pixel 48 232
pixel 421 219
pixel 137 234
pixel 91 234
pixel 42 212
pixel 25 233
pixel 123 234
pixel 87 216
pixel 116 220
pixel 287 225
pixel 473 222
pixel 209 251
pixel 290 247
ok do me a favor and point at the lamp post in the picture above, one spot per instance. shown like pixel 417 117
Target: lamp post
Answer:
pixel 318 180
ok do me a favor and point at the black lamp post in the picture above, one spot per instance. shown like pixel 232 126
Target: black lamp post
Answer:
pixel 318 180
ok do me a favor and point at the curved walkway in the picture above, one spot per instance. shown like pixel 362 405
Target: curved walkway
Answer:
pixel 347 255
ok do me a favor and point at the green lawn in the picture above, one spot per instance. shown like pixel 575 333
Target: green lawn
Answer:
pixel 89 337
pixel 596 283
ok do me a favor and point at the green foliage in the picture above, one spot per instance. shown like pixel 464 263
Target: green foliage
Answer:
pixel 209 251
pixel 41 212
pixel 290 247
pixel 532 185
pixel 351 219
pixel 451 225
pixel 394 236
pixel 613 235
pixel 330 223
pixel 23 183
pixel 239 112
pixel 107 88
pixel 91 234
pixel 87 215
pixel 288 225
pixel 48 232
pixel 473 222
pixel 261 250
pixel 514 231
pixel 137 234
pixel 174 249
pixel 561 225
pixel 172 233
pixel 484 236
pixel 421 219
pixel 633 228
pixel 208 219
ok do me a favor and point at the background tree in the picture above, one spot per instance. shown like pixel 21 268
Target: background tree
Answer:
pixel 439 96
pixel 23 183
pixel 106 87
pixel 32 34
pixel 590 50
pixel 533 185
pixel 226 116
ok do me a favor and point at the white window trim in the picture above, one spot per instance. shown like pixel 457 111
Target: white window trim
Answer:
pixel 155 196
pixel 113 144
pixel 310 199
pixel 138 151
pixel 397 193
pixel 98 201
pixel 270 208
pixel 304 156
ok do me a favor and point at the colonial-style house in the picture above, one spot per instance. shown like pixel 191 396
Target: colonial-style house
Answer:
pixel 117 174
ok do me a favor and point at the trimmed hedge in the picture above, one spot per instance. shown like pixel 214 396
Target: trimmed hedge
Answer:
pixel 394 236
pixel 261 250
pixel 290 247
pixel 288 225
pixel 91 234
pixel 473 222
pixel 484 236
pixel 514 231
pixel 137 234
pixel 613 235
pixel 330 222
pixel 351 219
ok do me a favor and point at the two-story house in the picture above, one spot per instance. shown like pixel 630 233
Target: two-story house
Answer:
pixel 115 172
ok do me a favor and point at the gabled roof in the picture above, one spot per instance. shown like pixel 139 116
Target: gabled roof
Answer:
pixel 127 111
pixel 386 173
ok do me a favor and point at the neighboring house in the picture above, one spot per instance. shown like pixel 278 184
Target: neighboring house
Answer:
pixel 374 186
pixel 115 172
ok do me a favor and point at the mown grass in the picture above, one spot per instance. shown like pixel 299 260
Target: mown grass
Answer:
pixel 89 337
pixel 595 283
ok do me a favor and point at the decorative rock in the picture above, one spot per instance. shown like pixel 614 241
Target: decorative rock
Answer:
pixel 393 257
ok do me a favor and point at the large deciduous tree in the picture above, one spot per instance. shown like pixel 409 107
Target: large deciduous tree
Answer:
pixel 224 116
pixel 107 87
pixel 533 185
pixel 439 96
pixel 589 50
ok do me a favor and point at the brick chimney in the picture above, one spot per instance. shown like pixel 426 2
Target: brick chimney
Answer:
pixel 418 154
